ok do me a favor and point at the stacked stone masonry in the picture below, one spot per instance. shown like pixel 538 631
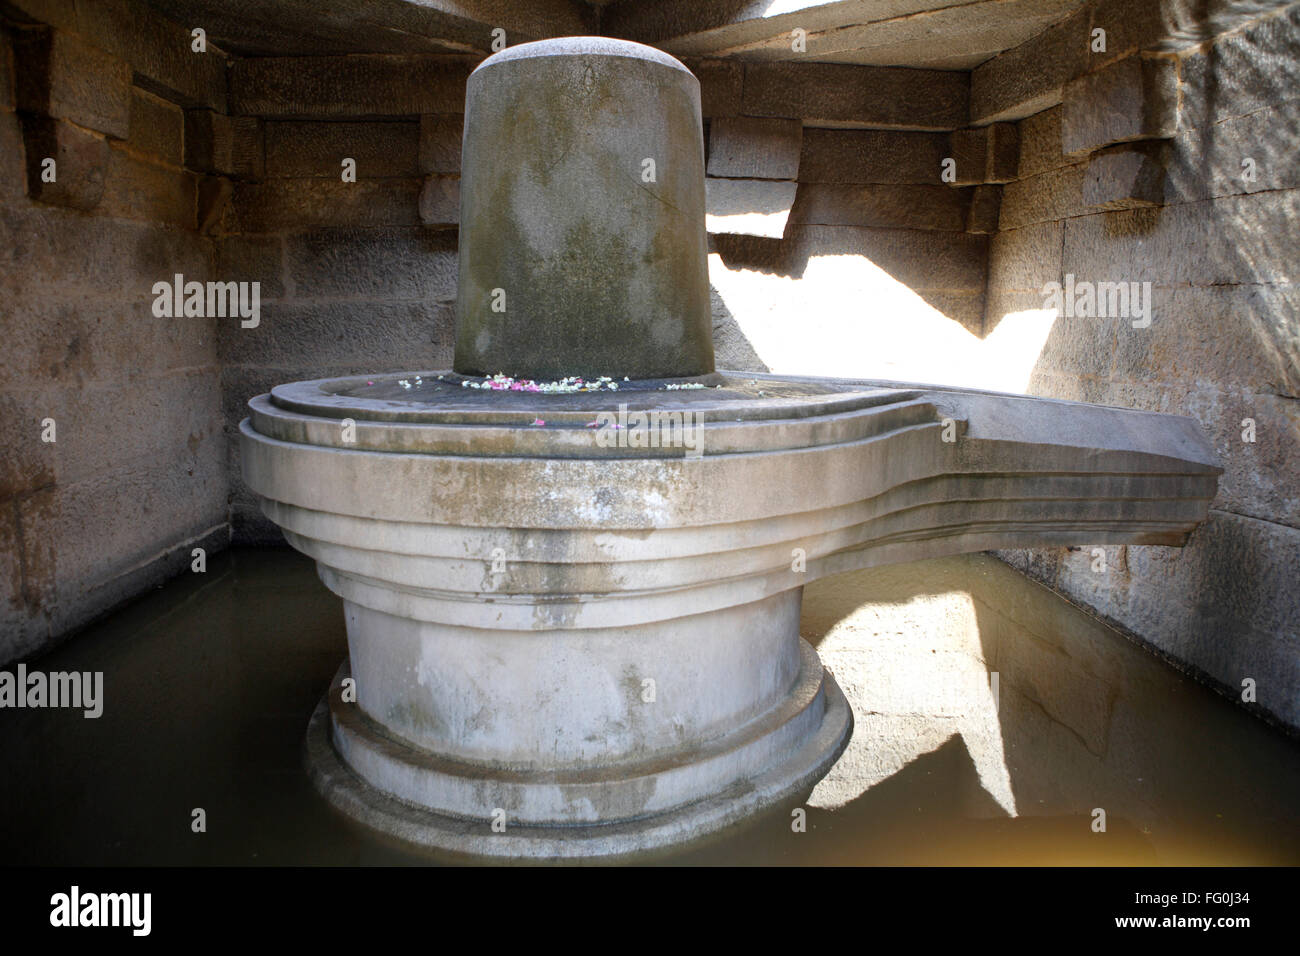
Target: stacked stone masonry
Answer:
pixel 1176 169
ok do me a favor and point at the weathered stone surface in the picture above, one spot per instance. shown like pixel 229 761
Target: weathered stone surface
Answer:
pixel 1135 98
pixel 555 200
pixel 1256 482
pixel 8 101
pixel 1259 476
pixel 1235 240
pixel 1244 154
pixel 989 154
pixel 1053 195
pixel 440 200
pixel 56 13
pixel 133 509
pixel 157 127
pixel 938 34
pixel 948 35
pixel 825 94
pixel 1001 305
pixel 96 440
pixel 1126 176
pixel 60 75
pixel 225 145
pixel 1219 603
pixel 135 189
pixel 80 162
pixel 88 255
pixel 748 207
pixel 258 259
pixel 1132 27
pixel 746 147
pixel 1231 338
pixel 159 51
pixel 720 86
pixel 371 263
pixel 316 150
pixel 969 149
pixel 350 87
pixel 888 207
pixel 213 203
pixel 871 156
pixel 1026 259
pixel 1003 153
pixel 1030 77
pixel 16 610
pixel 30 464
pixel 985 205
pixel 249 28
pixel 337 335
pixel 1083 345
pixel 29 594
pixel 899 304
pixel 309 203
pixel 1243 72
pixel 1040 144
pixel 64 345
pixel 13 159
pixel 924 261
pixel 965 308
pixel 440 142
pixel 138 459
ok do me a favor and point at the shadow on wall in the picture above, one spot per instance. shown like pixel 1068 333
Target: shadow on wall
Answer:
pixel 731 349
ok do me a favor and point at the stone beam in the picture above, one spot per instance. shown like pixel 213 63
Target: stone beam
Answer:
pixel 307 27
pixel 825 94
pixel 1133 99
pixel 354 87
pixel 1032 76
pixel 688 26
pixel 944 34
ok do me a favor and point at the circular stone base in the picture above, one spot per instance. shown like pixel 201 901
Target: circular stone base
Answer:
pixel 798 771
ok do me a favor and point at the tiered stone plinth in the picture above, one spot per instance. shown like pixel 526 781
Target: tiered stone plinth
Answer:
pixel 573 627
pixel 599 643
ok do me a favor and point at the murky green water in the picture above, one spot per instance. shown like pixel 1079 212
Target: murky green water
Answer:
pixel 210 680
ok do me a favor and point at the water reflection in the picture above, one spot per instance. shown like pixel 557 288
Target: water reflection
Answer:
pixel 210 680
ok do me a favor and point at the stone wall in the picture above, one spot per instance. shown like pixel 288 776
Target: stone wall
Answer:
pixel 358 272
pixel 832 220
pixel 1176 167
pixel 135 476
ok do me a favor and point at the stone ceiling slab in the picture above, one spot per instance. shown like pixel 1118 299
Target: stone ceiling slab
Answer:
pixel 941 34
pixel 306 27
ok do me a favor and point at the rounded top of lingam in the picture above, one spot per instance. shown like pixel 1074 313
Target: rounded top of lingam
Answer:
pixel 582 244
pixel 583 46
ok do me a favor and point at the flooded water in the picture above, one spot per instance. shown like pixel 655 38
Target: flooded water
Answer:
pixel 993 721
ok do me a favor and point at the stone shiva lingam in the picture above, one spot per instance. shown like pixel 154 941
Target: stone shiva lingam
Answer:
pixel 572 566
